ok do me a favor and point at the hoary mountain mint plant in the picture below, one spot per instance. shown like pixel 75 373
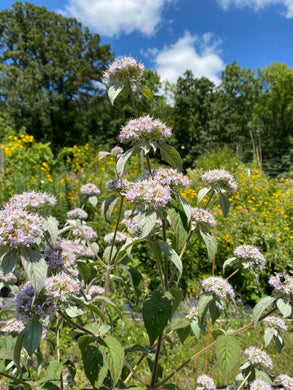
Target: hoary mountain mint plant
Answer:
pixel 64 280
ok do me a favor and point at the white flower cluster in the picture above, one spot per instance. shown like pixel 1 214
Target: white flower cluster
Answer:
pixel 257 356
pixel 120 237
pixel 89 189
pixel 218 286
pixel 220 178
pixel 96 290
pixel 282 283
pixel 286 381
pixel 61 286
pixel 85 231
pixel 250 256
pixel 259 384
pixel 131 221
pixel 33 200
pixel 77 214
pixel 202 217
pixel 276 323
pixel 126 68
pixel 144 128
pixel 206 382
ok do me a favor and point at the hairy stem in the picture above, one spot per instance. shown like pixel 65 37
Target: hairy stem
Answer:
pixel 156 362
pixel 15 379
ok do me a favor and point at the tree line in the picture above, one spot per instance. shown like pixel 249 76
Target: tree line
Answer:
pixel 51 84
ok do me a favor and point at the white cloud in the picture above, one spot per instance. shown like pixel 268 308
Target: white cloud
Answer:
pixel 111 17
pixel 259 4
pixel 198 54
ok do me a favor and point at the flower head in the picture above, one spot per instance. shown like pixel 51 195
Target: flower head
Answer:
pixel 206 382
pixel 286 381
pixel 77 214
pixel 96 290
pixel 117 150
pixel 257 356
pixel 259 384
pixel 61 286
pixel 218 286
pixel 143 129
pixel 250 256
pixel 89 189
pixel 85 231
pixel 220 178
pixel 126 68
pixel 33 200
pixel 283 283
pixel 20 228
pixel 13 326
pixel 119 237
pixel 276 323
pixel 202 217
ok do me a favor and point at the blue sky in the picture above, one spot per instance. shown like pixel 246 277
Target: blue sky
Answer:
pixel 171 36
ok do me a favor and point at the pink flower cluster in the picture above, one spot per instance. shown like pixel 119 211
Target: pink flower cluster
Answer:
pixel 286 381
pixel 120 237
pixel 19 228
pixel 170 177
pixel 220 178
pixel 131 221
pixel 96 290
pixel 206 382
pixel 89 189
pixel 33 200
pixel 282 283
pixel 85 231
pixel 257 356
pixel 250 256
pixel 61 286
pixel 77 214
pixel 203 217
pixel 144 128
pixel 276 323
pixel 259 384
pixel 126 68
pixel 218 286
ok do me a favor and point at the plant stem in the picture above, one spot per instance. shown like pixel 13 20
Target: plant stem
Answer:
pixel 210 198
pixel 74 324
pixel 149 164
pixel 243 328
pixel 132 99
pixel 244 381
pixel 233 273
pixel 58 348
pixel 15 379
pixel 156 362
pixel 165 257
pixel 133 372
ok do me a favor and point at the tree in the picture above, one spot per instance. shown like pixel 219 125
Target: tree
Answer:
pixel 192 113
pixel 50 72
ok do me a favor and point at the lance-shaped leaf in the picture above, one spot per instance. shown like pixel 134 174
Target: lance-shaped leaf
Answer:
pixel 103 154
pixel 224 203
pixel 8 261
pixel 173 256
pixel 114 357
pixel 202 193
pixel 17 350
pixel 52 228
pixel 178 221
pixel 35 267
pixel 156 312
pixel 187 208
pixel 146 92
pixel 108 207
pixel 228 352
pixel 203 304
pixel 228 262
pixel 122 161
pixel 95 366
pixel 210 241
pixel 146 221
pixel 284 306
pixel 114 91
pixel 32 335
pixel 260 308
pixel 170 155
pixel 54 370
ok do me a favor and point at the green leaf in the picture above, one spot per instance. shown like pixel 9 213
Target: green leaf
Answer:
pixel 103 154
pixel 146 92
pixel 224 203
pixel 32 336
pixel 202 193
pixel 179 224
pixel 210 241
pixel 146 221
pixel 35 267
pixel 172 256
pixel 177 295
pixel 73 311
pixel 122 161
pixel 228 262
pixel 52 228
pixel 114 91
pixel 93 200
pixel 215 308
pixel 17 350
pixel 196 327
pixel 284 307
pixel 179 323
pixel 260 308
pixel 187 208
pixel 262 375
pixel 183 333
pixel 9 261
pixel 203 304
pixel 136 278
pixel 268 336
pixel 170 155
pixel 156 312
pixel 50 386
pixel 228 352
pixel 114 357
pixel 54 370
pixel 71 368
pixel 279 341
pixel 95 366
